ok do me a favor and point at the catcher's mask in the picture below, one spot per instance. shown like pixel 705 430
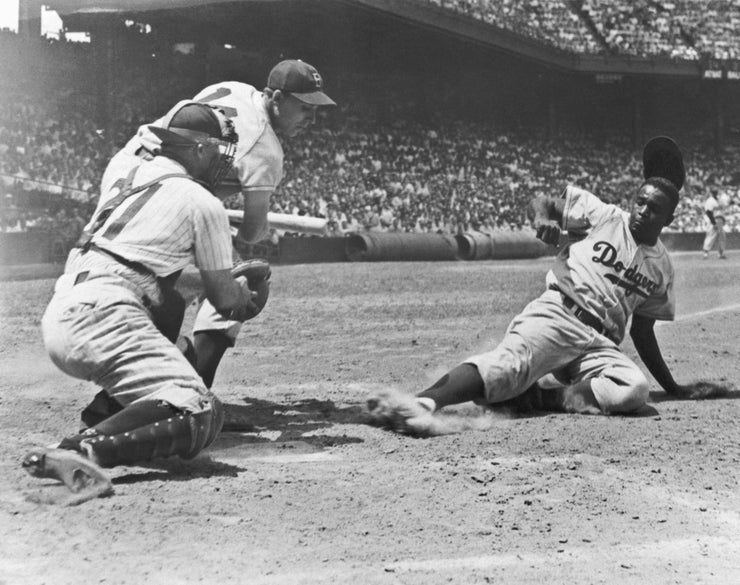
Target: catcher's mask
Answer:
pixel 203 124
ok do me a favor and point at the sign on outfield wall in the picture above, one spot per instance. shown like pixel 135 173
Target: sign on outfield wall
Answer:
pixel 720 69
pixel 608 78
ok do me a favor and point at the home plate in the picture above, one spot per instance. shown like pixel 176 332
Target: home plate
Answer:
pixel 241 446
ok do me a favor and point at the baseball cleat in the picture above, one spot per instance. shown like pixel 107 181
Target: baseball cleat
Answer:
pixel 78 473
pixel 402 413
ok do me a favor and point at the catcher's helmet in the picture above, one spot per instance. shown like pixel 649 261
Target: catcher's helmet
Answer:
pixel 661 157
pixel 197 123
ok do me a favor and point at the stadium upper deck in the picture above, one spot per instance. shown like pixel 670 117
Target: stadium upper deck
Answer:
pixel 688 30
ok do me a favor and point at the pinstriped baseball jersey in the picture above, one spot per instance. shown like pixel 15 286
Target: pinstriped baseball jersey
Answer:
pixel 605 271
pixel 169 225
pixel 258 162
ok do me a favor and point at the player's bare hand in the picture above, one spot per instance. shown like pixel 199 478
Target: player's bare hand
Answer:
pixel 548 231
pixel 701 390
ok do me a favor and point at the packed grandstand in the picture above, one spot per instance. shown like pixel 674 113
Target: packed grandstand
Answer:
pixel 377 162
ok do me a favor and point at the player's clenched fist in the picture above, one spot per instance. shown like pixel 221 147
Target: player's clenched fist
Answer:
pixel 548 231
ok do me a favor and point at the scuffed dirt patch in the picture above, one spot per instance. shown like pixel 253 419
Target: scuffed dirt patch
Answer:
pixel 300 490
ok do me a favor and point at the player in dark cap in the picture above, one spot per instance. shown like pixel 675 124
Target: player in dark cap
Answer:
pixel 286 107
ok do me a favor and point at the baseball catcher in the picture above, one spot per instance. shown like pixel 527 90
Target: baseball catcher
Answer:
pixel 108 321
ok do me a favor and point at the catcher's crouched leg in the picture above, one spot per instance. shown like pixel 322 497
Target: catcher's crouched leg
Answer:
pixel 150 429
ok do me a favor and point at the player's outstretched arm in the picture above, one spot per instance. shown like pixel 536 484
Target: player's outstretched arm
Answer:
pixel 646 344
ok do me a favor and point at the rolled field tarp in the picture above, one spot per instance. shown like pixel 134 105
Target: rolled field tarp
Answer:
pixel 400 246
pixel 474 246
pixel 518 244
pixel 501 244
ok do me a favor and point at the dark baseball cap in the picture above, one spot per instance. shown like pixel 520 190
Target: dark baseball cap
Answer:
pixel 661 157
pixel 301 80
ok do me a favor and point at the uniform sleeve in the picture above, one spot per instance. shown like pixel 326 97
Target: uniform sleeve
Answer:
pixel 584 210
pixel 261 168
pixel 146 139
pixel 662 306
pixel 212 236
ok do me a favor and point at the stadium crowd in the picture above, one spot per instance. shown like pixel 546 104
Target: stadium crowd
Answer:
pixel 462 176
pixel 448 177
pixel 361 172
pixel 677 29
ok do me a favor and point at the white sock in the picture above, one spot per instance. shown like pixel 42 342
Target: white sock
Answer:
pixel 427 403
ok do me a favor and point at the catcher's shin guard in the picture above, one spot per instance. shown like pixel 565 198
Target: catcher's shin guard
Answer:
pixel 148 430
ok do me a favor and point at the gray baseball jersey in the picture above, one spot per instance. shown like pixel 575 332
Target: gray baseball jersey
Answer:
pixel 605 271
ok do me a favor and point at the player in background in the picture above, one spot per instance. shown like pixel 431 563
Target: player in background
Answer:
pixel 155 220
pixel 561 353
pixel 714 208
pixel 283 109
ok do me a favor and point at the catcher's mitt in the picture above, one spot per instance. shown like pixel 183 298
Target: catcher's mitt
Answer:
pixel 257 274
pixel 662 157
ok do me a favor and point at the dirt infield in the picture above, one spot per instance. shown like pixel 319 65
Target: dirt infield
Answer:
pixel 298 490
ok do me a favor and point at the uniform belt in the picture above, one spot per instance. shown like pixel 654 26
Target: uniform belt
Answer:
pixel 87 275
pixel 134 275
pixel 581 314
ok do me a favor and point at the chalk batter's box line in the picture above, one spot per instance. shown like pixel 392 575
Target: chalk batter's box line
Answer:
pixel 689 316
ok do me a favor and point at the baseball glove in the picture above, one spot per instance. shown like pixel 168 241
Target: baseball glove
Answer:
pixel 662 157
pixel 257 274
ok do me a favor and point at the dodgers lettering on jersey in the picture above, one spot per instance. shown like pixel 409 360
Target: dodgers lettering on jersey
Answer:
pixel 605 271
pixel 170 225
pixel 258 161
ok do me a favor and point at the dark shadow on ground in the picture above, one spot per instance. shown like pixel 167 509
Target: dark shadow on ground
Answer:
pixel 177 469
pixel 257 428
pixel 661 396
pixel 261 420
pixel 645 411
